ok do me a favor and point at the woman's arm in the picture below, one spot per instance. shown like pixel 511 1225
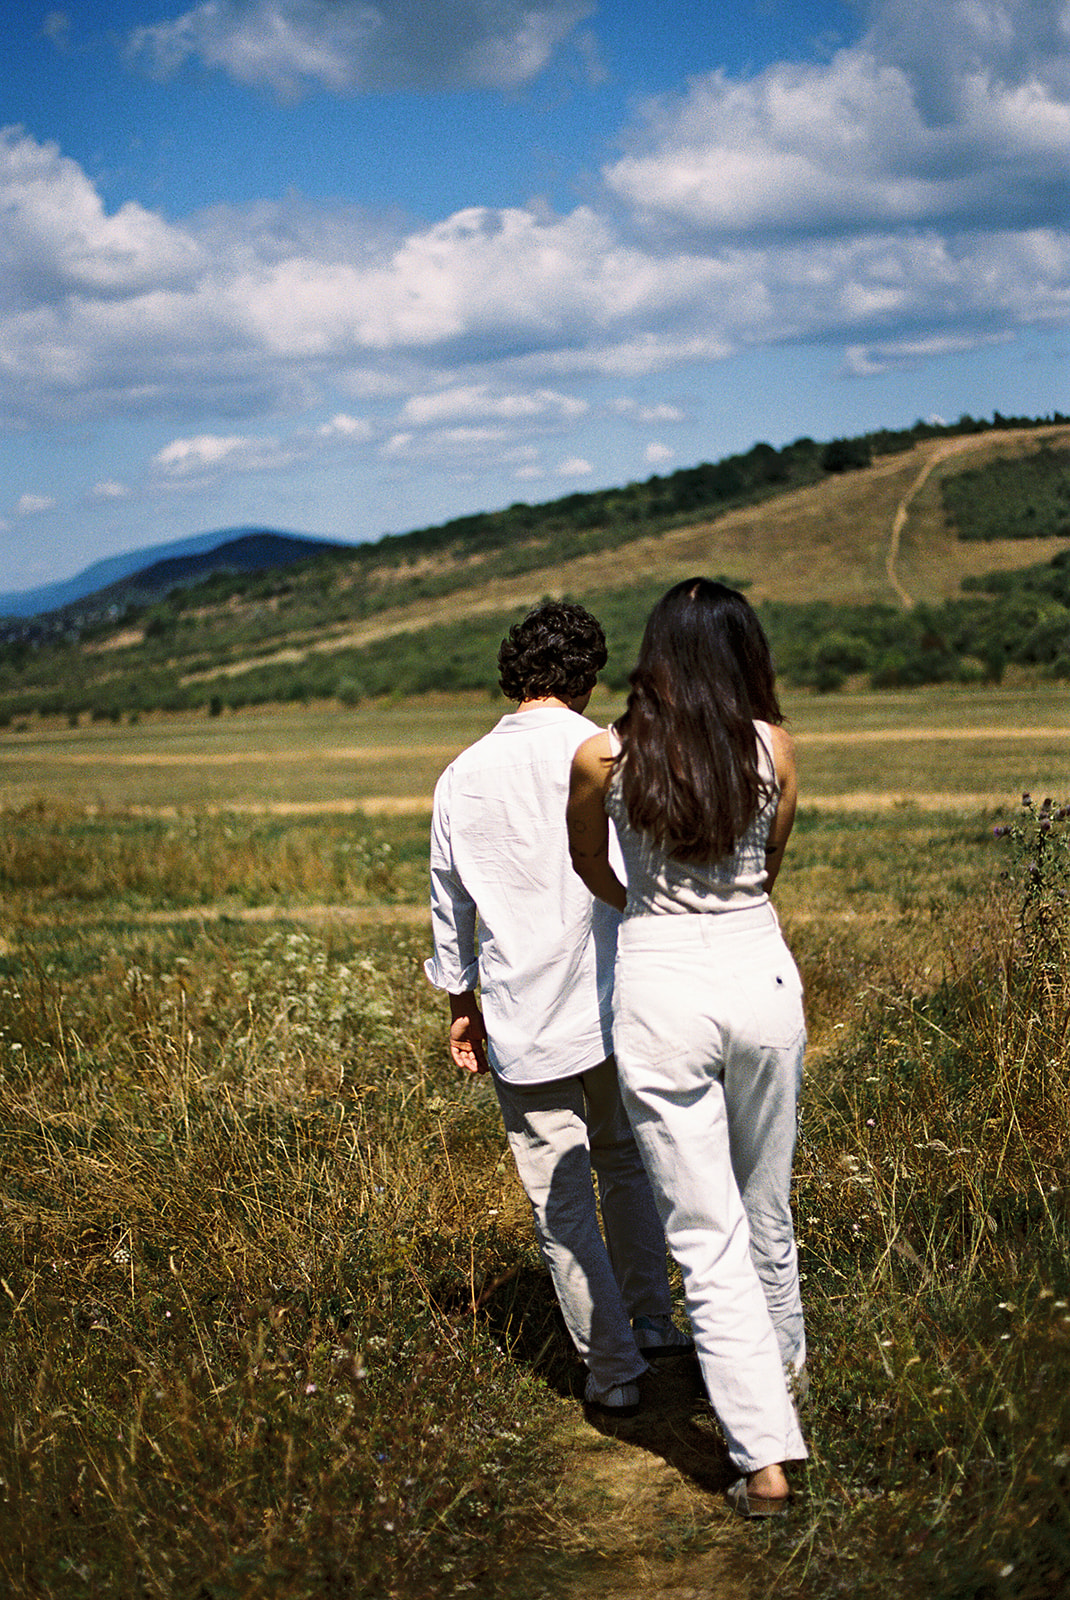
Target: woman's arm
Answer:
pixel 588 825
pixel 784 818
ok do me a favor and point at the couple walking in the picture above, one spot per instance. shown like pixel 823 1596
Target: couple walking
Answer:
pixel 653 1033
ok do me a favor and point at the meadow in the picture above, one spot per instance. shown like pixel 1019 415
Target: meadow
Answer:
pixel 272 1319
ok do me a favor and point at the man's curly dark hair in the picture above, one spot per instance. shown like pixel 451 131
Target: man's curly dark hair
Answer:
pixel 559 649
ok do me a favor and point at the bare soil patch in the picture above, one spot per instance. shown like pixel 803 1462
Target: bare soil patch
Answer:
pixel 235 757
pixel 639 1510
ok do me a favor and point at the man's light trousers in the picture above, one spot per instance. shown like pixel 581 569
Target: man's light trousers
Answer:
pixel 558 1132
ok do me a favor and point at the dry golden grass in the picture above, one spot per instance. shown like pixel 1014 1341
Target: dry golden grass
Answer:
pixel 983 743
pixel 271 1321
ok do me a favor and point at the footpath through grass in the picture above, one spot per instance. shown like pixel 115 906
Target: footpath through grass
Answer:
pixel 271 1321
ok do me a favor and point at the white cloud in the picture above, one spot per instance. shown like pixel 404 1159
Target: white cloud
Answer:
pixel 479 400
pixel 110 489
pixel 625 406
pixel 902 200
pixel 953 115
pixel 349 46
pixel 210 455
pixel 32 505
pixel 57 27
pixel 398 444
pixel 574 467
pixel 867 361
pixel 355 429
pixel 658 454
pixel 58 241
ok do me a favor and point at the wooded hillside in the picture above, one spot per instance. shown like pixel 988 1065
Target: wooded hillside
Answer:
pixel 900 557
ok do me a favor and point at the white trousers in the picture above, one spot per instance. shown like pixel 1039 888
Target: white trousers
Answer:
pixel 558 1132
pixel 709 1035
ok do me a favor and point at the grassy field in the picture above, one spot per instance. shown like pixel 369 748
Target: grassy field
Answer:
pixel 386 756
pixel 272 1321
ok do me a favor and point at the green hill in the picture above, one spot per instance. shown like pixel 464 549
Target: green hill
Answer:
pixel 851 550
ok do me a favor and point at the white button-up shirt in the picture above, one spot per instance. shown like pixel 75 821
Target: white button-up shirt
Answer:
pixel 506 905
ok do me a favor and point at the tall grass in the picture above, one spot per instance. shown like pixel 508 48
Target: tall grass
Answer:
pixel 934 1204
pixel 271 1322
pixel 54 857
pixel 243 1236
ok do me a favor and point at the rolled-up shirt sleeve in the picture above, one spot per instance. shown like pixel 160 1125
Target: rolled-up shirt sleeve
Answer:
pixel 455 964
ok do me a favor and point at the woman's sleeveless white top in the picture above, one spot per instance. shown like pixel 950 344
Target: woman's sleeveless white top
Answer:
pixel 658 885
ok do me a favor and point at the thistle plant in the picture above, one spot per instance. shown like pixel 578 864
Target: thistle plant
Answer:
pixel 1040 870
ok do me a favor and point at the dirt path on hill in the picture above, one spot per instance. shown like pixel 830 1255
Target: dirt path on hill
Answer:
pixel 941 454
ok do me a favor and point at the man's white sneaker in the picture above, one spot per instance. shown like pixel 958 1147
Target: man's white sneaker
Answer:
pixel 659 1336
pixel 619 1400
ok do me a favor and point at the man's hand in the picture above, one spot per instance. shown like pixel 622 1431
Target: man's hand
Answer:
pixel 467 1033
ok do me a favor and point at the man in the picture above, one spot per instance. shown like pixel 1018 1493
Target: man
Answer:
pixel 500 872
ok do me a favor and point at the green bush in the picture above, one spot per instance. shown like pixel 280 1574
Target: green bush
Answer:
pixel 1025 497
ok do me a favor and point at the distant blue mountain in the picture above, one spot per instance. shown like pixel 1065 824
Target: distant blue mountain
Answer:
pixel 181 561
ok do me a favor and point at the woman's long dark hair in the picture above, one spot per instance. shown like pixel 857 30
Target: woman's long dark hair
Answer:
pixel 688 761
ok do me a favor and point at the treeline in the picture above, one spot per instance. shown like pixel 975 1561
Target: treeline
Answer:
pixel 354 583
pixel 79 666
pixel 1023 497
pixel 1018 617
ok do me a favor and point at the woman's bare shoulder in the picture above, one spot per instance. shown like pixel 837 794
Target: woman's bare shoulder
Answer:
pixel 783 749
pixel 781 740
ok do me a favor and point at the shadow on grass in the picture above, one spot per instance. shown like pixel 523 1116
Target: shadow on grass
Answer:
pixel 674 1421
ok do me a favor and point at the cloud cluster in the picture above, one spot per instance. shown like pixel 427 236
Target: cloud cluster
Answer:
pixel 349 46
pixel 952 117
pixel 907 198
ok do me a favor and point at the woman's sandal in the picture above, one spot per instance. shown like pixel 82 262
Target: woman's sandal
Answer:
pixel 745 1503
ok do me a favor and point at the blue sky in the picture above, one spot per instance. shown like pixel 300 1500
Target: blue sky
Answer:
pixel 348 267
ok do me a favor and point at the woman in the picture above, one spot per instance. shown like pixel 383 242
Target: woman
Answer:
pixel 699 779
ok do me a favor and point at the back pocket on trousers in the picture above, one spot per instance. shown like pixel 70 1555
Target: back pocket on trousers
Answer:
pixel 778 1007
